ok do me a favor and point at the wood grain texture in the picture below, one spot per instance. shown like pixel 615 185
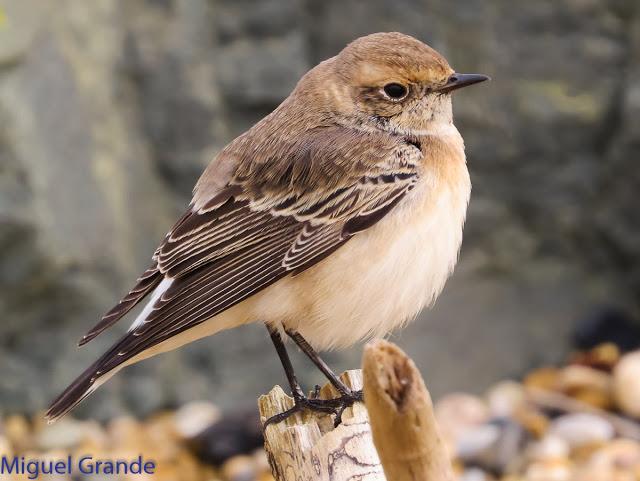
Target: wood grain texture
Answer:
pixel 307 446
pixel 403 424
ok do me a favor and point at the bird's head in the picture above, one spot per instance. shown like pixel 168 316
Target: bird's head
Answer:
pixel 390 81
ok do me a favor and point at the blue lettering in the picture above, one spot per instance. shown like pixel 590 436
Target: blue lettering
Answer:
pixel 6 468
pixel 47 467
pixel 60 468
pixel 32 468
pixel 149 467
pixel 85 465
pixel 107 467
pixel 136 466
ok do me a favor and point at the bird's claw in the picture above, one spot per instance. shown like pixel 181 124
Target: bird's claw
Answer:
pixel 316 392
pixel 335 406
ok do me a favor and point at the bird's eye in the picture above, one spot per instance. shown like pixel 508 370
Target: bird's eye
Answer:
pixel 395 91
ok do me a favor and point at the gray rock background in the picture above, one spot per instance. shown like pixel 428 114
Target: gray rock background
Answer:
pixel 110 109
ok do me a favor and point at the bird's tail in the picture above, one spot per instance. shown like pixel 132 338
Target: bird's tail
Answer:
pixel 87 382
pixel 112 361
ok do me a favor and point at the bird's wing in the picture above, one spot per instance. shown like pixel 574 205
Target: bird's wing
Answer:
pixel 291 211
pixel 258 229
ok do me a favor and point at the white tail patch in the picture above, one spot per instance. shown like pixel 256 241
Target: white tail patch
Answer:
pixel 161 289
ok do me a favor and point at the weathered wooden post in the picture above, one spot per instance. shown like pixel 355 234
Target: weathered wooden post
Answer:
pixel 393 437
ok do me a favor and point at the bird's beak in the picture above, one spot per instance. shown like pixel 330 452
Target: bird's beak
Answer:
pixel 459 80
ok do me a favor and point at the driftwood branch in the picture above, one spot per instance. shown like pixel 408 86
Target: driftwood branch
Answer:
pixel 307 446
pixel 404 428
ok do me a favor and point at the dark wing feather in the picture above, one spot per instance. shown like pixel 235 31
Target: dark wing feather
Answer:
pixel 148 281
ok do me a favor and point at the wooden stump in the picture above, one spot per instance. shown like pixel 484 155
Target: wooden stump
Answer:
pixel 307 447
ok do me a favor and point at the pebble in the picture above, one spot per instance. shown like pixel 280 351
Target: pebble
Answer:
pixel 597 399
pixel 549 470
pixel 474 474
pixel 162 437
pixel 505 398
pixel 586 384
pixel 626 384
pixel 533 420
pixel 127 433
pixel 603 357
pixel 458 413
pixel 543 378
pixel 548 448
pixel 581 429
pixel 239 468
pixel 5 447
pixel 266 476
pixel 492 446
pixel 575 378
pixel 475 441
pixel 64 434
pixel 193 418
pixel 238 432
pixel 18 432
pixel 619 454
pixel 261 461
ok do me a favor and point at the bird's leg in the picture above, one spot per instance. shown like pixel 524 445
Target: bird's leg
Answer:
pixel 296 390
pixel 347 395
pixel 319 362
pixel 301 402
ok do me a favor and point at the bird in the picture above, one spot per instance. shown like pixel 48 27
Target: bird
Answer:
pixel 336 218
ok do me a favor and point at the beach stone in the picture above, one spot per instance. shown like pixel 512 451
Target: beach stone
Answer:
pixel 603 356
pixel 266 476
pixel 237 432
pixel 239 468
pixel 505 398
pixel 543 378
pixel 94 439
pixel 457 413
pixel 5 447
pixel 126 433
pixel 18 431
pixel 491 446
pixel 575 378
pixel 581 429
pixel 586 384
pixel 532 419
pixel 161 436
pixel 626 384
pixel 548 448
pixel 475 441
pixel 620 454
pixel 64 434
pixel 549 470
pixel 193 418
pixel 261 461
pixel 475 474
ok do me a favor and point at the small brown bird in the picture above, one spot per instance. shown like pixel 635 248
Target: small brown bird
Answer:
pixel 336 218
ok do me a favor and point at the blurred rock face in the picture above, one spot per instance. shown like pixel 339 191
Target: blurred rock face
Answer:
pixel 110 109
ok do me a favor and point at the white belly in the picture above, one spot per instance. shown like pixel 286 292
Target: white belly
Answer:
pixel 380 279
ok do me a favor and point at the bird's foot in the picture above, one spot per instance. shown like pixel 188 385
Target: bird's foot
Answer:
pixel 335 406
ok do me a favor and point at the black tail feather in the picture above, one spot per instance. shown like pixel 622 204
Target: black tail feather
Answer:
pixel 146 283
pixel 77 391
